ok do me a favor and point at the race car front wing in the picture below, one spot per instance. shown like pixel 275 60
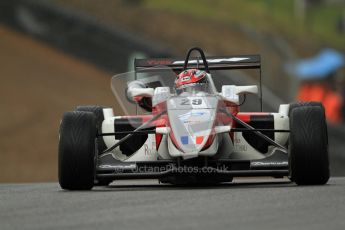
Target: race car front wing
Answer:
pixel 276 165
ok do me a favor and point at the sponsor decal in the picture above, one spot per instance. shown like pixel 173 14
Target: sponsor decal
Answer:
pixel 118 167
pixel 269 163
pixel 192 117
pixel 217 60
pixel 185 79
pixel 150 150
pixel 240 148
pixel 159 62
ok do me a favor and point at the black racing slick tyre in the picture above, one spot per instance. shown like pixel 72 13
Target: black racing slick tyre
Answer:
pixel 308 144
pixel 77 150
pixel 304 103
pixel 98 111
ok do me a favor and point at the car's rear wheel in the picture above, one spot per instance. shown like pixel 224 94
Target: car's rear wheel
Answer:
pixel 308 144
pixel 77 150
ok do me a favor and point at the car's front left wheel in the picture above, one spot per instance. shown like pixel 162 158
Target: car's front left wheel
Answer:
pixel 308 144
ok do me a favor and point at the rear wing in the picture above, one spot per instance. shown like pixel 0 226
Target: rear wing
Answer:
pixel 214 63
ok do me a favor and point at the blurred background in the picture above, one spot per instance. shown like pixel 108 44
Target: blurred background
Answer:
pixel 57 54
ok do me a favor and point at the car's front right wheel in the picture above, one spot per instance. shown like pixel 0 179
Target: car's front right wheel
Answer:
pixel 77 138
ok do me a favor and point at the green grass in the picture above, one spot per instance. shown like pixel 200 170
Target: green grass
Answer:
pixel 274 16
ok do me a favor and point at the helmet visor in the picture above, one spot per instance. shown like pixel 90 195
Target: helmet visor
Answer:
pixel 194 88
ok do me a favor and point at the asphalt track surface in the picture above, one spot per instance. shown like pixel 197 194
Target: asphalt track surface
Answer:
pixel 243 204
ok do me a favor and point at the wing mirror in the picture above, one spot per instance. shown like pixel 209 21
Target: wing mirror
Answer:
pixel 138 89
pixel 252 89
pixel 138 92
pixel 231 93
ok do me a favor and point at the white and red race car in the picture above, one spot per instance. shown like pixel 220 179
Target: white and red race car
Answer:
pixel 197 135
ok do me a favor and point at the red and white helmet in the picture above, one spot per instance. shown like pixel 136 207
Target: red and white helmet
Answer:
pixel 191 80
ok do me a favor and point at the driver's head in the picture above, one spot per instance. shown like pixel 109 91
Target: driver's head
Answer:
pixel 192 81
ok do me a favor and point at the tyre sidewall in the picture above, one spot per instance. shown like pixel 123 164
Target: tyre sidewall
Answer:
pixel 77 150
pixel 308 145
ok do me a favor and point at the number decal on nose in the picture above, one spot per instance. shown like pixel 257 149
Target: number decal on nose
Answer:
pixel 186 101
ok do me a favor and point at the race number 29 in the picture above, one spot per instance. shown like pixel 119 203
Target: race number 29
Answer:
pixel 186 101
